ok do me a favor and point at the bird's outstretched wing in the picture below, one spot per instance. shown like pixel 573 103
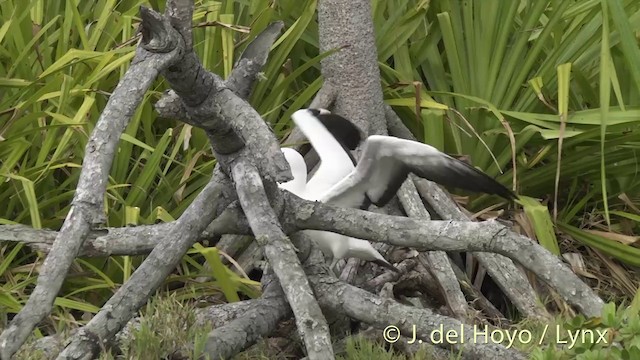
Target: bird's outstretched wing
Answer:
pixel 335 162
pixel 386 162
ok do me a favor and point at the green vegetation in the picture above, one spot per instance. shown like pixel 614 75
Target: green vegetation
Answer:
pixel 616 334
pixel 551 88
pixel 168 328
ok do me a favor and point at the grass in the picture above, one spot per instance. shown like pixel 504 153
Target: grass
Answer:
pixel 542 94
pixel 167 328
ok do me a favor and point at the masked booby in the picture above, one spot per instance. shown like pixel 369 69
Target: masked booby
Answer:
pixel 384 164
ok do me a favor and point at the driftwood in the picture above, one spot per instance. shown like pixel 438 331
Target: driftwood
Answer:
pixel 242 198
pixel 239 325
pixel 160 48
pixel 510 279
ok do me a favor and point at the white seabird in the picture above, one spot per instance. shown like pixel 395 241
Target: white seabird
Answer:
pixel 336 162
pixel 385 163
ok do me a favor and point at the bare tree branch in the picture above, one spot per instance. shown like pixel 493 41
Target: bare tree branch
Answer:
pixel 87 206
pixel 422 280
pixel 221 124
pixel 250 258
pixel 241 79
pixel 477 298
pixel 225 117
pixel 240 325
pixel 440 235
pixel 104 242
pixel 222 315
pixel 234 245
pixel 487 236
pixel 123 305
pixel 410 321
pixel 196 88
pixel 427 228
pixel 284 261
pixel 236 133
pixel 113 241
pixel 248 153
pixel 246 69
pixel 508 277
pixel 377 282
pixel 235 116
pixel 439 264
pixel 348 25
pixel 180 14
pixel 234 128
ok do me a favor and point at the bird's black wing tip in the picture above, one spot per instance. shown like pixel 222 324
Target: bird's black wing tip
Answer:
pixel 345 131
pixel 366 203
pixel 386 265
pixel 505 192
pixel 491 185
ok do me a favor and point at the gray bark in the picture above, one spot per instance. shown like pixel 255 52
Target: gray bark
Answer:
pixel 239 325
pixel 377 282
pixel 250 63
pixel 353 71
pixel 348 25
pixel 200 94
pixel 282 257
pixel 124 304
pixel 113 241
pixel 409 320
pixel 432 235
pixel 508 277
pixel 249 155
pixel 250 258
pixel 487 236
pixel 439 264
pixel 87 205
pixel 477 298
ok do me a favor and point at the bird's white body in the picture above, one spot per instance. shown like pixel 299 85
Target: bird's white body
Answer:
pixel 335 164
pixel 384 164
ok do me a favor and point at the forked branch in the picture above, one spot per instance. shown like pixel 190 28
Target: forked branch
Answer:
pixel 126 302
pixel 439 263
pixel 239 325
pixel 415 323
pixel 508 277
pixel 487 236
pixel 87 205
pixel 283 259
